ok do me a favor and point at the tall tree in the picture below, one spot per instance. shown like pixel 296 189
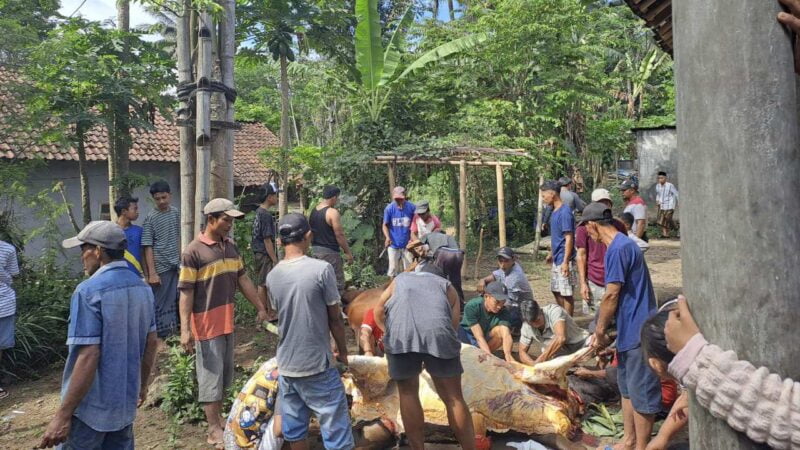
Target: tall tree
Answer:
pixel 25 23
pixel 119 136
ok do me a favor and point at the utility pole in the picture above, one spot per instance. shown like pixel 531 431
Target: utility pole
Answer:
pixel 737 126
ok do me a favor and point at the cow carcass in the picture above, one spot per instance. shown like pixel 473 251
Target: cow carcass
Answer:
pixel 509 396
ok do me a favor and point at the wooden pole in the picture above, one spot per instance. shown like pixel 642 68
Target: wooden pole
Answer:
pixel 187 150
pixel 501 205
pixel 539 224
pixel 462 212
pixel 392 180
pixel 203 126
pixel 480 253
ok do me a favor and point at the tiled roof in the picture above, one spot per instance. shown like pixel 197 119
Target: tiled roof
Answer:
pixel 658 15
pixel 160 144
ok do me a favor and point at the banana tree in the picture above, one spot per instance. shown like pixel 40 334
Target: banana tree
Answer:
pixel 378 66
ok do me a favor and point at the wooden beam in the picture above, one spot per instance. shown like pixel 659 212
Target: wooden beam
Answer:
pixel 462 212
pixel 442 163
pixel 392 180
pixel 501 206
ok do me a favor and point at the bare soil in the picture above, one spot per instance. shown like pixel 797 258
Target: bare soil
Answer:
pixel 26 412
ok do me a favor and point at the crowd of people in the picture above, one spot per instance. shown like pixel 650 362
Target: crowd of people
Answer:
pixel 142 288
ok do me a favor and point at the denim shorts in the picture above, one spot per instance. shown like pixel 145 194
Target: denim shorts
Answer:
pixel 403 366
pixel 466 337
pixel 7 332
pixel 323 394
pixel 638 382
pixel 84 437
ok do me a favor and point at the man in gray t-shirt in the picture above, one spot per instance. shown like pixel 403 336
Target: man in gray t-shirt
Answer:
pixel 551 327
pixel 303 290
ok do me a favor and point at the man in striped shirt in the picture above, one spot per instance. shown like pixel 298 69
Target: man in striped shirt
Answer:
pixel 667 199
pixel 9 268
pixel 161 240
pixel 211 271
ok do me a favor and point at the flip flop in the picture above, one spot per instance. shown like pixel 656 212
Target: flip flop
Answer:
pixel 3 393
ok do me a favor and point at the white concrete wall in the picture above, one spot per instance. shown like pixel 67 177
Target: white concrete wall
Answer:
pixel 67 171
pixel 657 150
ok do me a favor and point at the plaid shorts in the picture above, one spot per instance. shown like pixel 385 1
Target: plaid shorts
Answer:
pixel 561 284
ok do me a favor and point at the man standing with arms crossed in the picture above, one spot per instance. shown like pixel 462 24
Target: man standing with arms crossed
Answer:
pixel 161 239
pixel 303 291
pixel 630 297
pixel 211 270
pixel 397 218
pixel 112 347
pixel 265 252
pixel 328 234
pixel 562 243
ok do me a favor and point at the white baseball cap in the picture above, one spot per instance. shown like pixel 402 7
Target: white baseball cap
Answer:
pixel 600 194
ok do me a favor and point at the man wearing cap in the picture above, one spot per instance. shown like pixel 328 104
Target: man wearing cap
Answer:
pixel 329 239
pixel 211 271
pixel 552 328
pixel 635 205
pixel 419 312
pixel 265 252
pixel 511 275
pixel 591 256
pixel 397 217
pixel 570 198
pixel 667 200
pixel 486 324
pixel 424 222
pixel 630 297
pixel 303 291
pixel 112 346
pixel 562 242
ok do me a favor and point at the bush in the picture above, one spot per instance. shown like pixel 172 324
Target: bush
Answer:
pixel 180 392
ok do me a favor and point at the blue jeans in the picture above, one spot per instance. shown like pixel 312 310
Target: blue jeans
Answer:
pixel 323 394
pixel 638 382
pixel 466 337
pixel 84 437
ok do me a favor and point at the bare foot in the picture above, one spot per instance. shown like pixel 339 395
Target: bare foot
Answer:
pixel 214 437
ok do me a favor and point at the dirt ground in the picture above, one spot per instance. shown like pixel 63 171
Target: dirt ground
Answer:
pixel 25 414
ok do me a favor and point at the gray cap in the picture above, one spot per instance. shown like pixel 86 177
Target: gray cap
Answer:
pixel 222 205
pixel 629 184
pixel 563 181
pixel 102 233
pixel 292 227
pixel 497 290
pixel 423 207
pixel 596 211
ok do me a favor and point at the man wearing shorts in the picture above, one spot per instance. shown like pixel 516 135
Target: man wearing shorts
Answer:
pixel 562 243
pixel 667 200
pixel 419 312
pixel 211 271
pixel 265 253
pixel 9 268
pixel 303 290
pixel 629 296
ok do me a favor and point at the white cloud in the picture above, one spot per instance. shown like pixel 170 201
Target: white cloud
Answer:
pixel 101 10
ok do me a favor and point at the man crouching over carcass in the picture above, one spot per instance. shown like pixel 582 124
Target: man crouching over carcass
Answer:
pixel 419 313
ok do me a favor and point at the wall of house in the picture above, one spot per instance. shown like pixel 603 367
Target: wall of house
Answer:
pixel 657 150
pixel 67 171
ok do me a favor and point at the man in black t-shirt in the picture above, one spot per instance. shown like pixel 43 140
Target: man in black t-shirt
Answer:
pixel 265 253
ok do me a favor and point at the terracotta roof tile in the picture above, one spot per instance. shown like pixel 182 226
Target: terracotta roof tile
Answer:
pixel 160 144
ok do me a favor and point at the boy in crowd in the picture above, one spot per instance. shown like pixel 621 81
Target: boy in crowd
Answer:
pixel 512 276
pixel 666 200
pixel 265 252
pixel 424 222
pixel 486 324
pixel 161 240
pixel 628 220
pixel 127 209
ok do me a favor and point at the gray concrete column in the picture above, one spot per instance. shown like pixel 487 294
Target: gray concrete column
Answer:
pixel 740 198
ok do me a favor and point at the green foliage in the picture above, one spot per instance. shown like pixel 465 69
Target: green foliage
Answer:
pixel 180 391
pixel 24 24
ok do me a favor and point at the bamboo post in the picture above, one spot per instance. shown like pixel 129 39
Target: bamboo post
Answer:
pixel 501 206
pixel 203 126
pixel 462 211
pixel 539 223
pixel 480 253
pixel 392 180
pixel 187 149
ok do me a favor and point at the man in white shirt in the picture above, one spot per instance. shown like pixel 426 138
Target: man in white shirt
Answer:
pixel 666 199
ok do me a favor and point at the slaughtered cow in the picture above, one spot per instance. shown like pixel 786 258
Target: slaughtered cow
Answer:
pixel 508 396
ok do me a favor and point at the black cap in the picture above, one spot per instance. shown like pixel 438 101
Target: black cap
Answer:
pixel 330 192
pixel 497 290
pixel 505 252
pixel 550 185
pixel 292 227
pixel 269 189
pixel 529 309
pixel 629 184
pixel 596 211
pixel 563 181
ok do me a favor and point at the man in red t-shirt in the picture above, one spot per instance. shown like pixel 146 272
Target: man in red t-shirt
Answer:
pixel 591 256
pixel 370 338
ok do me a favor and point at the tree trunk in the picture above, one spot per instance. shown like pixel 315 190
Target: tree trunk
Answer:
pixel 283 204
pixel 124 15
pixel 738 132
pixel 451 9
pixel 119 138
pixel 187 149
pixel 86 202
pixel 435 9
pixel 222 144
pixel 203 125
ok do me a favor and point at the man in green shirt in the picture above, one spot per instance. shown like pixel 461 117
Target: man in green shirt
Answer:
pixel 486 324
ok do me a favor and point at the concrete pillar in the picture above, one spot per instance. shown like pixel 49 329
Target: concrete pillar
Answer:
pixel 740 197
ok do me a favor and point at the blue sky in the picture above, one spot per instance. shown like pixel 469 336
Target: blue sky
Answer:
pixel 103 10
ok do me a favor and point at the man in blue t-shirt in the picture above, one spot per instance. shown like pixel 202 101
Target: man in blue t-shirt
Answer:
pixel 127 209
pixel 630 296
pixel 562 247
pixel 397 230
